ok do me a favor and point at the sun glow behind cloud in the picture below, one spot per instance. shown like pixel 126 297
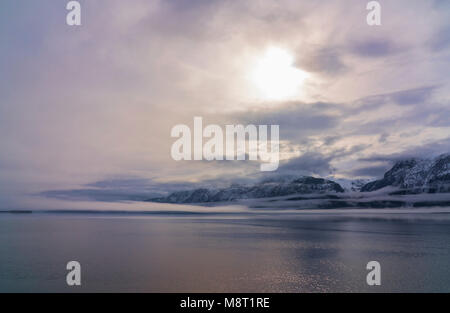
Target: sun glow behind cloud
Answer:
pixel 275 76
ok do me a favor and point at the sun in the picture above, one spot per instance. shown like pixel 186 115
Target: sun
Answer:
pixel 275 76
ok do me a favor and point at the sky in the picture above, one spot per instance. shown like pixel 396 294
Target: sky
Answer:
pixel 92 106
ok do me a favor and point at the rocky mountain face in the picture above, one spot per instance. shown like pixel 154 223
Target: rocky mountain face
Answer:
pixel 416 176
pixel 354 185
pixel 265 189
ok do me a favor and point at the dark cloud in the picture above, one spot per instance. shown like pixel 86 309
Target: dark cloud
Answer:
pixel 412 96
pixel 424 112
pixel 137 184
pixel 427 150
pixel 330 140
pixel 369 171
pixel 440 118
pixel 327 61
pixel 122 184
pixel 108 195
pixel 442 4
pixel 308 164
pixel 348 151
pixel 441 39
pixel 374 48
pixel 383 137
pixel 118 189
pixel 181 5
pixel 296 120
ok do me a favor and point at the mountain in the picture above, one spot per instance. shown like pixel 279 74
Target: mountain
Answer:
pixel 264 189
pixel 350 185
pixel 412 176
pixel 416 176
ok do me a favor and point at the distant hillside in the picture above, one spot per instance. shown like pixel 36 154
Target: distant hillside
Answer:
pixel 265 189
pixel 416 176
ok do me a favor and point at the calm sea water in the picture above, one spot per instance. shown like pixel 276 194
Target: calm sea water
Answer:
pixel 225 253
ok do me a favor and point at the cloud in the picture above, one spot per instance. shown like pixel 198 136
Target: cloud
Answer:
pixel 413 96
pixel 98 195
pixel 297 120
pixel 440 40
pixel 323 60
pixel 308 164
pixel 428 150
pixel 118 190
pixel 375 48
pixel 369 171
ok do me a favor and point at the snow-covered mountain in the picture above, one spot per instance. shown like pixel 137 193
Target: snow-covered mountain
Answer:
pixel 264 189
pixel 411 176
pixel 416 176
pixel 351 184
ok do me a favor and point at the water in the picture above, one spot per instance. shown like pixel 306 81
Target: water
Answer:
pixel 259 252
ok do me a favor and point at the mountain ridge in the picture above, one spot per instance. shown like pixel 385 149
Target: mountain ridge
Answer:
pixel 416 176
pixel 264 189
pixel 410 176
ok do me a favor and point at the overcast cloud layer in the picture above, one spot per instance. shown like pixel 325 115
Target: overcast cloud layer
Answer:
pixel 88 105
